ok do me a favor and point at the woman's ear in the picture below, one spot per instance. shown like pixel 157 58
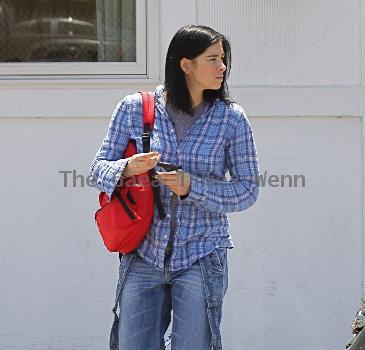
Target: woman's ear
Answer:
pixel 185 65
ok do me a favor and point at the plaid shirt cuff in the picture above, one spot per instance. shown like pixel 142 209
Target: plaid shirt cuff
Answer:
pixel 197 189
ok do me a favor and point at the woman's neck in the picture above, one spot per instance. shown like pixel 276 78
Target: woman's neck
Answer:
pixel 196 94
pixel 196 101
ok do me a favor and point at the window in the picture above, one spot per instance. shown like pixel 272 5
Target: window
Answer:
pixel 43 37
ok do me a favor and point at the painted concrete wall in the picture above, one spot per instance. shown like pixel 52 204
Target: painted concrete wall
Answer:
pixel 295 274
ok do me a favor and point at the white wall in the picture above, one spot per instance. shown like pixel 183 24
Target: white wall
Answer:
pixel 296 274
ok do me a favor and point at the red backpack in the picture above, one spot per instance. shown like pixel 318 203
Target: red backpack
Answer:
pixel 125 220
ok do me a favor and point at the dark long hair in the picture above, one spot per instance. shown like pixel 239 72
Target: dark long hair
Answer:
pixel 189 42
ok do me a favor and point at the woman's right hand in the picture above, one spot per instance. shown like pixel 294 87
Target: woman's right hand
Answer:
pixel 140 163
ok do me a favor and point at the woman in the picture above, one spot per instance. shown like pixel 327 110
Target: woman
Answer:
pixel 182 263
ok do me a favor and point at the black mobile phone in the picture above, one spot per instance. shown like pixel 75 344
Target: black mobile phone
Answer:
pixel 165 166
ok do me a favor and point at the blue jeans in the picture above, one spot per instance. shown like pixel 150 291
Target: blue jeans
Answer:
pixel 148 297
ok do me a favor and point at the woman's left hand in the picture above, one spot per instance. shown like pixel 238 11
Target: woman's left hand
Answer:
pixel 178 181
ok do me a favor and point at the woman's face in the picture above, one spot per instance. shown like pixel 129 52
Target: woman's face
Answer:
pixel 205 71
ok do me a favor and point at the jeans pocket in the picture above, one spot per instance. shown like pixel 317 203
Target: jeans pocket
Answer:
pixel 219 258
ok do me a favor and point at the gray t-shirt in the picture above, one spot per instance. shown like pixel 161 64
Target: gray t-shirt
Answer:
pixel 181 122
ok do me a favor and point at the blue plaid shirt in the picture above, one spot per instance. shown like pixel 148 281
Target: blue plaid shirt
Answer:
pixel 220 140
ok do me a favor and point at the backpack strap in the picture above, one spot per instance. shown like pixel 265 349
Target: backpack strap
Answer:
pixel 148 105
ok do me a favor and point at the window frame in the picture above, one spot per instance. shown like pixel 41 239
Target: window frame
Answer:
pixel 56 70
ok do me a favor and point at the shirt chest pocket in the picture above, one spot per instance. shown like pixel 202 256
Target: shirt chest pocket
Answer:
pixel 206 159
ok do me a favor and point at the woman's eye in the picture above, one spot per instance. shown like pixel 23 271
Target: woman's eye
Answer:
pixel 215 59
